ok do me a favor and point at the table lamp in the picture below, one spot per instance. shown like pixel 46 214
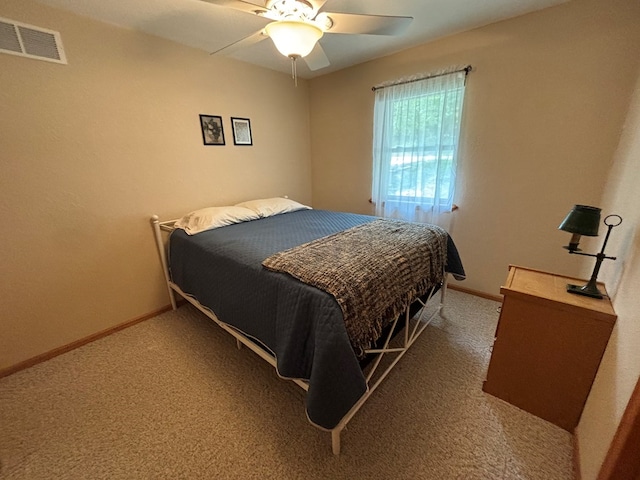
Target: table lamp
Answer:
pixel 585 220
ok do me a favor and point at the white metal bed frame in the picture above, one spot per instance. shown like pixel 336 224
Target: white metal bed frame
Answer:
pixel 413 328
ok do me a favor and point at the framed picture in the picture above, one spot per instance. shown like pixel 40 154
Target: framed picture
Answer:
pixel 241 131
pixel 212 131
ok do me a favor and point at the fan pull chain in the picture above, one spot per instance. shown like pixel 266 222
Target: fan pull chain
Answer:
pixel 294 70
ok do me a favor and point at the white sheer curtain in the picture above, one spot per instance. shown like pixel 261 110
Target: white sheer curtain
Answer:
pixel 415 147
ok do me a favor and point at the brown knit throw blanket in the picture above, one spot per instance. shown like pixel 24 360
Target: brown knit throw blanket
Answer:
pixel 374 271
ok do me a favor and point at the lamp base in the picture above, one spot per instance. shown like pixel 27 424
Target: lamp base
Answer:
pixel 587 290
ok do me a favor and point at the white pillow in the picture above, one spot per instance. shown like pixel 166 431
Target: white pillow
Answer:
pixel 266 207
pixel 214 217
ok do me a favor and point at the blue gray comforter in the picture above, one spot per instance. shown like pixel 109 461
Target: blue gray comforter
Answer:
pixel 300 324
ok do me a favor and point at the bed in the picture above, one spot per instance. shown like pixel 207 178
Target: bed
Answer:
pixel 307 290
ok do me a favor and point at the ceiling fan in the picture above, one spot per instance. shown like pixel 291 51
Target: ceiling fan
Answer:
pixel 295 26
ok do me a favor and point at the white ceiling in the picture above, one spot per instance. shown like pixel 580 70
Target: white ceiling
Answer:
pixel 209 27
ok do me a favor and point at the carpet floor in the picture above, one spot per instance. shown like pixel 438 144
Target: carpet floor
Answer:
pixel 173 398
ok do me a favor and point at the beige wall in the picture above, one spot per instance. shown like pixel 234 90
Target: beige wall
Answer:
pixel 543 113
pixel 91 149
pixel 620 365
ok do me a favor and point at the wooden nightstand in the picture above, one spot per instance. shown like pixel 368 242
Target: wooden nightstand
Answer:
pixel 548 345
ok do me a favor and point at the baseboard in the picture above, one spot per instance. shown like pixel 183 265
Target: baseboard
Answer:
pixel 30 362
pixel 477 293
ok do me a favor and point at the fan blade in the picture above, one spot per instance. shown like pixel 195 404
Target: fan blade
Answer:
pixel 367 24
pixel 242 43
pixel 317 59
pixel 242 5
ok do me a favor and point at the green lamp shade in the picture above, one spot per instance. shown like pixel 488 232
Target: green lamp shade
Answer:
pixel 582 220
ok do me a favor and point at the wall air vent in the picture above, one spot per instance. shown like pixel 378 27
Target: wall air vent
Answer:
pixel 32 42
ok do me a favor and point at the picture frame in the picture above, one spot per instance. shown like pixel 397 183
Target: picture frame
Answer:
pixel 212 129
pixel 241 131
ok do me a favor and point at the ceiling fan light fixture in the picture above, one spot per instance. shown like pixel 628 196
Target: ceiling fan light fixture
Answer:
pixel 294 38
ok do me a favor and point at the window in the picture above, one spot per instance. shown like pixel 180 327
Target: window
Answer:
pixel 415 146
